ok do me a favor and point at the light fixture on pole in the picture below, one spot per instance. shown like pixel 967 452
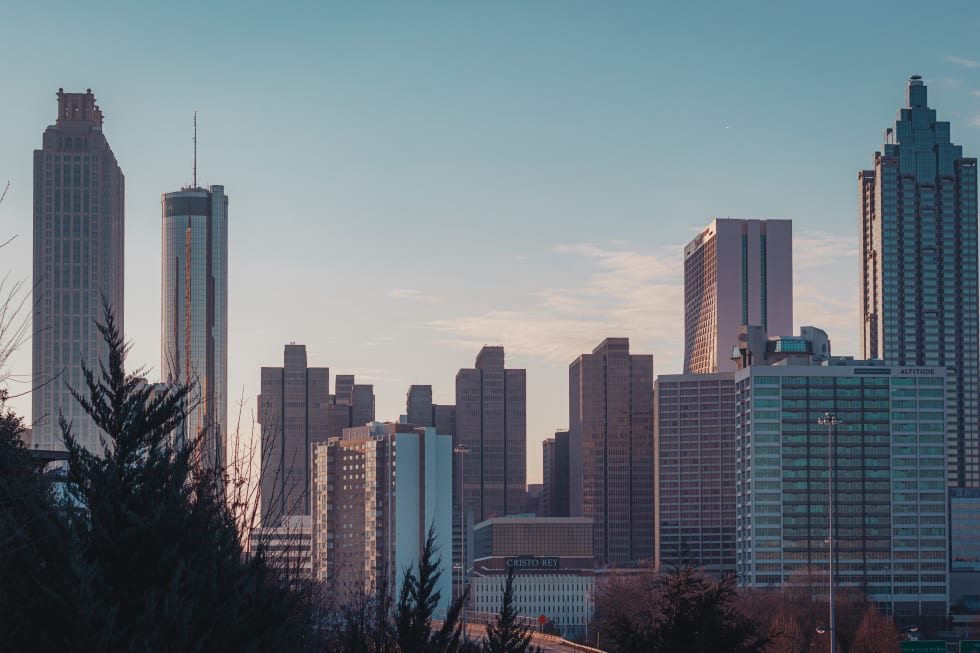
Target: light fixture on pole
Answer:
pixel 830 421
pixel 462 450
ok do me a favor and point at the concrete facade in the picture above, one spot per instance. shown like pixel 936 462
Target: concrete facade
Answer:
pixel 79 235
pixel 611 464
pixel 736 273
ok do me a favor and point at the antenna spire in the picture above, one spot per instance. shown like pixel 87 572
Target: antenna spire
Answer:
pixel 195 149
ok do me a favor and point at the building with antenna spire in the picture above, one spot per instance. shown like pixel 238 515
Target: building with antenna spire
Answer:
pixel 194 310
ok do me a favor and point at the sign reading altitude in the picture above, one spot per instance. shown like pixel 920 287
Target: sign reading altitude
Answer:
pixel 533 562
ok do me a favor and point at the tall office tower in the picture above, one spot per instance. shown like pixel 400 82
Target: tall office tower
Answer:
pixel 78 260
pixel 369 523
pixel 418 405
pixel 554 494
pixel 293 413
pixel 610 412
pixel 420 410
pixel 194 312
pixel 888 481
pixel 362 405
pixel 736 272
pixel 491 422
pixel 919 273
pixel 694 443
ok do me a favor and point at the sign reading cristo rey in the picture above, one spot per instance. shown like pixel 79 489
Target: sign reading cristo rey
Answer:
pixel 533 562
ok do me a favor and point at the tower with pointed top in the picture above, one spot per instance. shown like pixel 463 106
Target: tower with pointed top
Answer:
pixel 79 219
pixel 194 312
pixel 919 265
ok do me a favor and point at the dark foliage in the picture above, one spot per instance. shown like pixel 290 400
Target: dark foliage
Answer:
pixel 417 602
pixel 505 635
pixel 681 611
pixel 141 552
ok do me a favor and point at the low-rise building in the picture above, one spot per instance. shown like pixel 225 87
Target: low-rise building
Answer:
pixel 552 558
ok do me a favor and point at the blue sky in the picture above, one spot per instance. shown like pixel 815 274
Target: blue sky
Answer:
pixel 408 181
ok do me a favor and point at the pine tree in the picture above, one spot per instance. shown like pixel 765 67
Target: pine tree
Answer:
pixel 417 603
pixel 151 555
pixel 505 635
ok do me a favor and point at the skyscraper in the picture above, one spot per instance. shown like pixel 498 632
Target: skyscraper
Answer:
pixel 194 312
pixel 78 260
pixel 695 463
pixel 293 414
pixel 610 413
pixel 919 269
pixel 554 494
pixel 736 273
pixel 491 422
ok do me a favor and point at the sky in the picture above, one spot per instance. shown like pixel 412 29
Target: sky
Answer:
pixel 411 181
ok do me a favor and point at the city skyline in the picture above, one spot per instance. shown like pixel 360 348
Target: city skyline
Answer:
pixel 558 294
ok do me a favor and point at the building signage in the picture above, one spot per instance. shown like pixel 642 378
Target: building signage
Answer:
pixel 532 562
pixel 918 371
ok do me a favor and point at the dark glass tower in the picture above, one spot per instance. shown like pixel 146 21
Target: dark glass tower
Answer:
pixel 194 311
pixel 78 260
pixel 919 269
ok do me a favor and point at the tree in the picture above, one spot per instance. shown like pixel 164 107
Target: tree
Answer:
pixel 681 611
pixel 505 635
pixel 417 603
pixel 875 634
pixel 143 553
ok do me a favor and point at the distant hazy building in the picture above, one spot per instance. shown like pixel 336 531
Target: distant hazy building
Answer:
pixel 491 422
pixel 370 523
pixel 555 462
pixel 420 410
pixel 889 482
pixel 351 404
pixel 194 312
pixel 695 462
pixel 287 546
pixel 293 413
pixel 553 563
pixel 736 273
pixel 611 449
pixel 78 260
pixel 919 267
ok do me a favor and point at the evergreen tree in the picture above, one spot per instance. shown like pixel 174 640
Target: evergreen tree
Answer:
pixel 417 603
pixel 143 554
pixel 505 635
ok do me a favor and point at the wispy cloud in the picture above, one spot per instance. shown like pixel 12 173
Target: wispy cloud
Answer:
pixel 974 121
pixel 626 293
pixel 413 294
pixel 975 93
pixel 966 63
pixel 640 294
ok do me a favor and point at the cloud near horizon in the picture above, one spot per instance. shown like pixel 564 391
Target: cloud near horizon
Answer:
pixel 966 63
pixel 640 294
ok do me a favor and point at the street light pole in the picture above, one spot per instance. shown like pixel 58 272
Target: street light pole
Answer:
pixel 830 421
pixel 462 450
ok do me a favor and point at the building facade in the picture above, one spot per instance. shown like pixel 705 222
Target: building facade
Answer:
pixel 420 410
pixel 889 488
pixel 79 224
pixel 491 422
pixel 369 522
pixel 695 461
pixel 555 461
pixel 611 450
pixel 553 563
pixel 293 414
pixel 287 547
pixel 919 269
pixel 736 273
pixel 194 313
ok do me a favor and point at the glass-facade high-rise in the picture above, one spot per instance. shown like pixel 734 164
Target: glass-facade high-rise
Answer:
pixel 889 479
pixel 78 263
pixel 194 312
pixel 919 268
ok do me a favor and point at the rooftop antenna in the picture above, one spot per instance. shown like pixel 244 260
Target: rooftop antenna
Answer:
pixel 195 149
